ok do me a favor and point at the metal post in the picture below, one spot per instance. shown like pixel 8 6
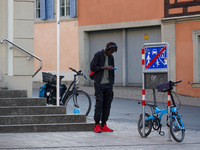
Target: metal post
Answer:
pixel 169 105
pixel 143 93
pixel 10 36
pixel 143 112
pixel 58 52
pixel 154 51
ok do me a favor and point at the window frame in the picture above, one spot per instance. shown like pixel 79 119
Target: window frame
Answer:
pixel 37 9
pixel 196 58
pixel 65 9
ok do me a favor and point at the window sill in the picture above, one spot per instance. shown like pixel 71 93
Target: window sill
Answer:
pixel 62 19
pixel 195 85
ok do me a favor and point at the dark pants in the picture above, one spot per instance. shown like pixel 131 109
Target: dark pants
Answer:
pixel 104 97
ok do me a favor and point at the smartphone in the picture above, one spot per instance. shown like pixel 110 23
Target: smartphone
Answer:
pixel 115 68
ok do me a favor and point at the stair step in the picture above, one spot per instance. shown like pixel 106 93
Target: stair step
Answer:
pixel 13 93
pixel 32 110
pixel 19 114
pixel 56 127
pixel 3 85
pixel 41 119
pixel 22 102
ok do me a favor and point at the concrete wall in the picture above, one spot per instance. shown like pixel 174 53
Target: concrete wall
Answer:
pixel 178 31
pixel 185 57
pixel 92 12
pixel 3 30
pixel 18 27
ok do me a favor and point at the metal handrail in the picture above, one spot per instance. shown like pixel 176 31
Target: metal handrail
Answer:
pixel 32 55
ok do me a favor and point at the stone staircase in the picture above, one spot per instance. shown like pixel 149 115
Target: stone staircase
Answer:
pixel 3 85
pixel 20 114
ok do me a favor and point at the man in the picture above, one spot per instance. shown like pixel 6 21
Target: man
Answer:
pixel 103 66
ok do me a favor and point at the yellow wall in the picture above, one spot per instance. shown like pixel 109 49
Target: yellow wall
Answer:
pixel 45 36
pixel 184 57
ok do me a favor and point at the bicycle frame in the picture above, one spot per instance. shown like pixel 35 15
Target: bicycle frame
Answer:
pixel 74 92
pixel 157 111
pixel 74 89
pixel 181 122
pixel 173 111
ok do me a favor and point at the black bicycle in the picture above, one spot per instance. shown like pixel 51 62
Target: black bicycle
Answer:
pixel 75 100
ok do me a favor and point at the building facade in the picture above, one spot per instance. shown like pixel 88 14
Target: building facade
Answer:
pixel 17 26
pixel 130 24
pixel 45 34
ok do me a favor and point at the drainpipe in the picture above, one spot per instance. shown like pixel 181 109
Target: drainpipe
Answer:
pixel 10 36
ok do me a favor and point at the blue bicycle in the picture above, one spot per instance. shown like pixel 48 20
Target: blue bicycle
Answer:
pixel 177 128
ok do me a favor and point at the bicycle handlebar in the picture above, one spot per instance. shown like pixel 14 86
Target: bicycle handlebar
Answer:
pixel 174 83
pixel 78 72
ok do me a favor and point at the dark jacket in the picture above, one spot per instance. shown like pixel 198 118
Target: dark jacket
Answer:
pixel 97 63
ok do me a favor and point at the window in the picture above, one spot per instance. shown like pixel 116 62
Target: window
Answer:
pixel 64 8
pixel 44 9
pixel 196 58
pixel 37 8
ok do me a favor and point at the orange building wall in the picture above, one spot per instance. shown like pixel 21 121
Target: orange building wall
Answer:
pixel 184 57
pixel 45 36
pixel 93 12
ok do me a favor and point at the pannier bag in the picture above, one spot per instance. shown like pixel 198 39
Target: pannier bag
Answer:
pixel 42 91
pixel 165 86
pixel 48 77
pixel 48 88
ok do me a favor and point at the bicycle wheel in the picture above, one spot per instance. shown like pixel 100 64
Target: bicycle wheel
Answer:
pixel 83 101
pixel 148 125
pixel 177 133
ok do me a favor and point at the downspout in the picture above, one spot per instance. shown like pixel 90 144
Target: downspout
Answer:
pixel 10 36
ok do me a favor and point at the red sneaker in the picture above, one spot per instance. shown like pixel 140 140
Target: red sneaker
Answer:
pixel 97 129
pixel 106 129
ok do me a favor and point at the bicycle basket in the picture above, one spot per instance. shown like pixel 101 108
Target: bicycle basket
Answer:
pixel 48 77
pixel 165 86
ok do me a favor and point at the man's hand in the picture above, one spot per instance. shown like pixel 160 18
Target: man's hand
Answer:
pixel 108 67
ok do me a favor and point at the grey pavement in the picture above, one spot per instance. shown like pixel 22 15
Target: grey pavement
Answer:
pixel 124 137
pixel 135 93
